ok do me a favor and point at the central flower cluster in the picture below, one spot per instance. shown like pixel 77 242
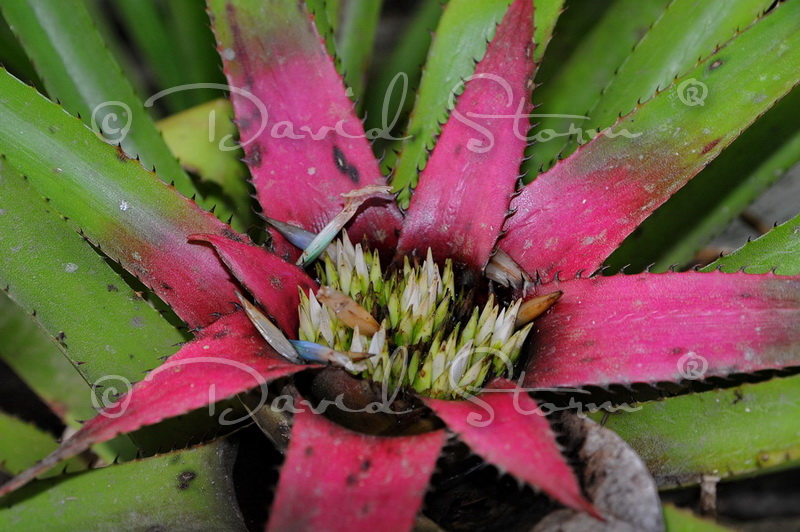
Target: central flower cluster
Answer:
pixel 408 326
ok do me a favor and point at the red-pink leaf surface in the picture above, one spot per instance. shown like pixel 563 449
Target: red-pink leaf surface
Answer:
pixel 309 147
pixel 665 327
pixel 226 358
pixel 460 205
pixel 272 281
pixel 366 482
pixel 573 216
pixel 504 426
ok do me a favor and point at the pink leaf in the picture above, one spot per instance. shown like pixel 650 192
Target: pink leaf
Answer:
pixel 575 215
pixel 272 281
pixel 304 144
pixel 227 358
pixel 334 479
pixel 460 205
pixel 504 427
pixel 665 327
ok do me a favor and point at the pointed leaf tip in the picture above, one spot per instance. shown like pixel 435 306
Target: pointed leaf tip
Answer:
pixel 304 144
pixel 459 206
pixel 505 427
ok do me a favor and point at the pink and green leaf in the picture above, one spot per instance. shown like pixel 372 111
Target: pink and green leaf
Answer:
pixel 503 413
pixel 460 205
pixel 573 216
pixel 197 483
pixel 461 40
pixel 305 148
pixel 274 282
pixel 125 210
pixel 367 482
pixel 707 205
pixel 662 327
pixel 226 358
pixel 82 305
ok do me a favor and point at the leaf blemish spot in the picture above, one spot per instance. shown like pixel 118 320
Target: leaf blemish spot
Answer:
pixel 185 478
pixel 343 166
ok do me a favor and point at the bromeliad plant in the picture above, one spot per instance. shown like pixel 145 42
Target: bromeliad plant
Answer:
pixel 457 296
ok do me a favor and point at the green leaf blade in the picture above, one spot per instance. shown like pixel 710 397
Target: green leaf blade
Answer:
pixel 78 69
pixel 103 326
pixel 23 444
pixel 588 69
pixel 725 433
pixel 187 490
pixel 685 32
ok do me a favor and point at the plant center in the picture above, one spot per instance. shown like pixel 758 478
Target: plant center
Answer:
pixel 409 326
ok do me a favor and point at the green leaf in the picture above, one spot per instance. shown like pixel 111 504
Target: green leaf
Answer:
pixel 101 325
pixel 36 359
pixel 725 433
pixel 779 250
pixel 576 21
pixel 78 70
pixel 112 38
pixel 695 214
pixel 191 31
pixel 461 39
pixel 187 490
pixel 150 33
pixel 23 444
pixel 545 17
pixel 391 90
pixel 176 42
pixel 355 38
pixel 590 67
pixel 686 31
pixel 200 138
pixel 13 57
pixel 682 520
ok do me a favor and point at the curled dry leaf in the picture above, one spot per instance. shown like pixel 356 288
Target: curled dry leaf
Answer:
pixel 616 482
